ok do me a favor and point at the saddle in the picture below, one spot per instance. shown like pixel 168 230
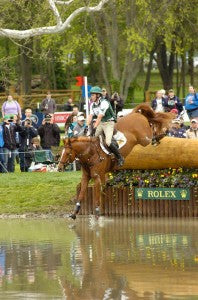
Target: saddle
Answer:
pixel 118 137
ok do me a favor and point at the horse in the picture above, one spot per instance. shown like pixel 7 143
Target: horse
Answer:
pixel 140 126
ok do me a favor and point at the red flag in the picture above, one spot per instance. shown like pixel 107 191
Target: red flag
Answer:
pixel 80 80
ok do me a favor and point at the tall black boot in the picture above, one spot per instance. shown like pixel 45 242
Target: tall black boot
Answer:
pixel 114 149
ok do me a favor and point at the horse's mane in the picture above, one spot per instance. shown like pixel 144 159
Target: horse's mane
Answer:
pixel 159 119
pixel 71 140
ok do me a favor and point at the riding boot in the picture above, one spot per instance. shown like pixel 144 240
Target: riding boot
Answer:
pixel 114 149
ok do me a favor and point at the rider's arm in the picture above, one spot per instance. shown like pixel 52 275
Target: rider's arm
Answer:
pixel 98 120
pixel 89 119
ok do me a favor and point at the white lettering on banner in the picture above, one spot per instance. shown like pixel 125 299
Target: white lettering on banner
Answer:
pixel 61 117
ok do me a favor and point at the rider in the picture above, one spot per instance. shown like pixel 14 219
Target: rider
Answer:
pixel 102 112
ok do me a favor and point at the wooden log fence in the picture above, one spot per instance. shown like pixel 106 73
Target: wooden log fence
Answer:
pixel 61 97
pixel 117 202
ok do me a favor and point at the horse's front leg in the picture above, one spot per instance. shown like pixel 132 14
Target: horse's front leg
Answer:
pixel 83 188
pixel 97 193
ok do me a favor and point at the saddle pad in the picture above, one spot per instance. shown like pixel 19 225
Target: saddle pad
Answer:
pixel 120 139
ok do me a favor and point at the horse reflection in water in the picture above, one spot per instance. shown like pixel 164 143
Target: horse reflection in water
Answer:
pixel 138 128
pixel 133 259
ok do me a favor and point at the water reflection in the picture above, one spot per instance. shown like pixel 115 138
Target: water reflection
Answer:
pixel 114 259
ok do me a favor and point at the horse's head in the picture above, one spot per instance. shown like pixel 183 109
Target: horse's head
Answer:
pixel 68 155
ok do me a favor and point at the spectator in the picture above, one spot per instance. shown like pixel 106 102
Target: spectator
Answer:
pixel 116 102
pixel 36 145
pixel 192 133
pixel 28 132
pixel 48 105
pixel 159 104
pixel 2 167
pixel 75 110
pixel 176 130
pixel 191 103
pixel 79 129
pixel 28 115
pixel 174 111
pixel 10 127
pixel 105 95
pixel 182 125
pixel 164 94
pixel 174 102
pixel 69 105
pixel 69 131
pixel 11 107
pixel 49 134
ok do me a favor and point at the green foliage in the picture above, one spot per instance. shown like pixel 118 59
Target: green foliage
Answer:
pixel 136 26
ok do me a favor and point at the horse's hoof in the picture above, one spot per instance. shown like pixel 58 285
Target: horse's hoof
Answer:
pixel 97 211
pixel 72 216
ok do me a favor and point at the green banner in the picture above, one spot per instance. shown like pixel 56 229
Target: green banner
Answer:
pixel 162 194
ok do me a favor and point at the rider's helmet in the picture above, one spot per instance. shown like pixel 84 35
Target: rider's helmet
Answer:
pixel 96 90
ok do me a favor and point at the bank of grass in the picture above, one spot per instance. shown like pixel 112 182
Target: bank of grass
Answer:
pixel 22 193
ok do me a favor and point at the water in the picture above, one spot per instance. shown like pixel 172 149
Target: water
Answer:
pixel 110 259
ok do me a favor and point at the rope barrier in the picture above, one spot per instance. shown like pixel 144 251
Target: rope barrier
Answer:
pixel 42 150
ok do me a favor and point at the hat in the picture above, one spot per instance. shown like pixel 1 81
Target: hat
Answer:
pixel 193 121
pixel 104 90
pixel 176 121
pixel 6 117
pixel 95 90
pixel 81 118
pixel 171 91
pixel 174 111
pixel 80 114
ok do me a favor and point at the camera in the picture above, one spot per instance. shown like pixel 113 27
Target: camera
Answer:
pixel 47 120
pixel 11 119
pixel 28 122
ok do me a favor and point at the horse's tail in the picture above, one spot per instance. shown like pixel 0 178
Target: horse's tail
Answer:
pixel 159 120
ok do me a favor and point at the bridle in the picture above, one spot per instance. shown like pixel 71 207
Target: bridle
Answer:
pixel 156 137
pixel 68 154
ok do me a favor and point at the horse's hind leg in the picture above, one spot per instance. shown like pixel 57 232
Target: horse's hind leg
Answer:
pixel 83 187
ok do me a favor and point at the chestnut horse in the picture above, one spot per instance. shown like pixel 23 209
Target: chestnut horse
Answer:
pixel 137 128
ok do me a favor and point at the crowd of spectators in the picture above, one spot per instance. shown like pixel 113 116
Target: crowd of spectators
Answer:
pixel 171 103
pixel 21 135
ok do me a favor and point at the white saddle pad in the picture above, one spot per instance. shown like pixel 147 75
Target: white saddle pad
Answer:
pixel 120 139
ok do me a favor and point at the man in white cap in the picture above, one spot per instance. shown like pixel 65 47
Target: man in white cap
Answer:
pixel 79 129
pixel 192 133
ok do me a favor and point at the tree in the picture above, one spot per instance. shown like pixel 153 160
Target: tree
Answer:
pixel 60 24
pixel 168 28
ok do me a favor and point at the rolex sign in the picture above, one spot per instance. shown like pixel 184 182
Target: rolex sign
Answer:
pixel 162 194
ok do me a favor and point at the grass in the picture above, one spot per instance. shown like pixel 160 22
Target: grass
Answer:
pixel 37 192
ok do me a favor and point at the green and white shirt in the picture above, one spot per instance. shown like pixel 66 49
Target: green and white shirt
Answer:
pixel 102 107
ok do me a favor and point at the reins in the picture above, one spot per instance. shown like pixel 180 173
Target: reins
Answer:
pixel 81 155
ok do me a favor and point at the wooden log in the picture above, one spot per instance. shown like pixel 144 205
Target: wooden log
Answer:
pixel 170 153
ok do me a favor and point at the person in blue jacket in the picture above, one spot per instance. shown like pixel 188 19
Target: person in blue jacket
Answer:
pixel 191 103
